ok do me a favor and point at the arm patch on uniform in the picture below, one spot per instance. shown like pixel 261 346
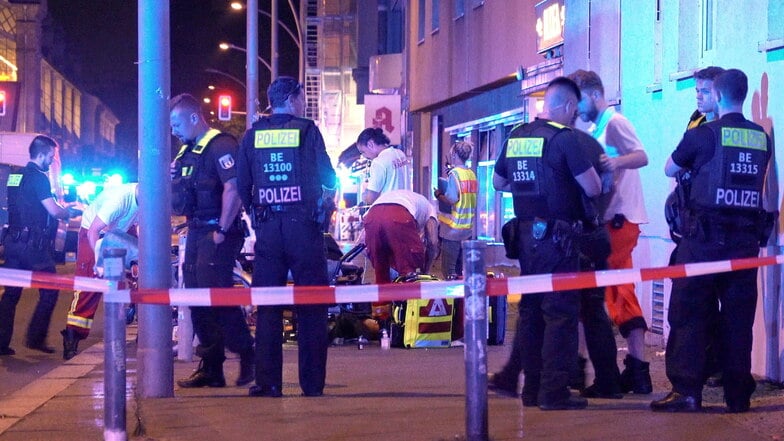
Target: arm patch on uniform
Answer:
pixel 226 161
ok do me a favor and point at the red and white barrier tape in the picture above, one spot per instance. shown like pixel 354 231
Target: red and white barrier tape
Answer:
pixel 303 295
pixel 37 279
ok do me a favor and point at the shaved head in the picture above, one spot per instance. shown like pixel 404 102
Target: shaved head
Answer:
pixel 560 100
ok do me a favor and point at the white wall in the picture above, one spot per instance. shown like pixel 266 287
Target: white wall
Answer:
pixel 660 117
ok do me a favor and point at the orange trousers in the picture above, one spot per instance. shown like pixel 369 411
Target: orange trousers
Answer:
pixel 622 304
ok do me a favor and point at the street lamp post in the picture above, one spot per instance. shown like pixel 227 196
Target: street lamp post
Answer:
pixel 227 75
pixel 253 32
pixel 227 46
pixel 273 39
pixel 252 70
pixel 294 36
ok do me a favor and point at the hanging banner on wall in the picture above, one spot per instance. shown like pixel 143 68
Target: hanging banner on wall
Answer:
pixel 383 111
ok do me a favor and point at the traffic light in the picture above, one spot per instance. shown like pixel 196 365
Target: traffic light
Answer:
pixel 2 102
pixel 224 107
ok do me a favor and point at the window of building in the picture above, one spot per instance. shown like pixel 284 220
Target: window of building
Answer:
pixel 77 114
pixel 434 16
pixel 696 39
pixel 459 9
pixel 775 18
pixel 68 108
pixel 46 92
pixel 708 24
pixel 688 36
pixel 421 22
pixel 7 21
pixel 57 99
pixel 657 48
pixel 775 40
pixel 8 68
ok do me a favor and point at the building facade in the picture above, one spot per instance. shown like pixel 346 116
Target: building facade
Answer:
pixel 465 62
pixel 651 50
pixel 38 97
pixel 475 68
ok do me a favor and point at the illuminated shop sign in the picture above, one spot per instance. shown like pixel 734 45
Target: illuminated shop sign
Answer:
pixel 549 24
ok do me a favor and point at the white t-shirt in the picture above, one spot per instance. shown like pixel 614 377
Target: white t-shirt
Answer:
pixel 416 204
pixel 616 134
pixel 389 171
pixel 115 206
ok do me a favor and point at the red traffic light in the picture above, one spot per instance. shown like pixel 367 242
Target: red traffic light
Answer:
pixel 224 107
pixel 2 102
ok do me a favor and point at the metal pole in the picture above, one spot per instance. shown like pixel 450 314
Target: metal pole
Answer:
pixel 155 365
pixel 252 62
pixel 114 351
pixel 274 41
pixel 475 338
pixel 301 24
pixel 184 322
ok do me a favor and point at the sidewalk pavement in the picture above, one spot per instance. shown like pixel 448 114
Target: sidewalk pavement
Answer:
pixel 371 394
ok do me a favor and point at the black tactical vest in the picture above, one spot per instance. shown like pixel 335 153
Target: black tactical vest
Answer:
pixel 281 173
pixel 734 177
pixel 195 193
pixel 525 168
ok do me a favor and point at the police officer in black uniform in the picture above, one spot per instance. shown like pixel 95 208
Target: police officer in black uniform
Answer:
pixel 542 165
pixel 204 189
pixel 287 183
pixel 32 224
pixel 724 218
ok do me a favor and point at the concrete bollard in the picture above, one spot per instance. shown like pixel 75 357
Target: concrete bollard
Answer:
pixel 475 339
pixel 114 351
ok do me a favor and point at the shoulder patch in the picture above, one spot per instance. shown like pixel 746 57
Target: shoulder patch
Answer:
pixel 226 161
pixel 557 125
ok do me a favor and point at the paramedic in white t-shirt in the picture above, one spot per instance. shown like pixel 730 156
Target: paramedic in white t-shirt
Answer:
pixel 389 167
pixel 115 209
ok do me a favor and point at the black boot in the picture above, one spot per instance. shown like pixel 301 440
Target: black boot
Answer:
pixel 204 375
pixel 636 376
pixel 247 367
pixel 577 376
pixel 70 343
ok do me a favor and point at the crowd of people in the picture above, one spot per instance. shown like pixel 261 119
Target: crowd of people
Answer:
pixel 578 205
pixel 557 182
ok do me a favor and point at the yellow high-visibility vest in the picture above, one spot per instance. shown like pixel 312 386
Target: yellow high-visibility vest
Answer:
pixel 462 215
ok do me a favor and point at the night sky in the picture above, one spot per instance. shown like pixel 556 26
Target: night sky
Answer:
pixel 95 44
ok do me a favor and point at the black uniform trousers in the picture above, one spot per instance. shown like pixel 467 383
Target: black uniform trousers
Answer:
pixel 548 321
pixel 599 336
pixel 26 256
pixel 693 308
pixel 286 241
pixel 208 265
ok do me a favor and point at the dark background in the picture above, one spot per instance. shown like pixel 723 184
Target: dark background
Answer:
pixel 94 43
